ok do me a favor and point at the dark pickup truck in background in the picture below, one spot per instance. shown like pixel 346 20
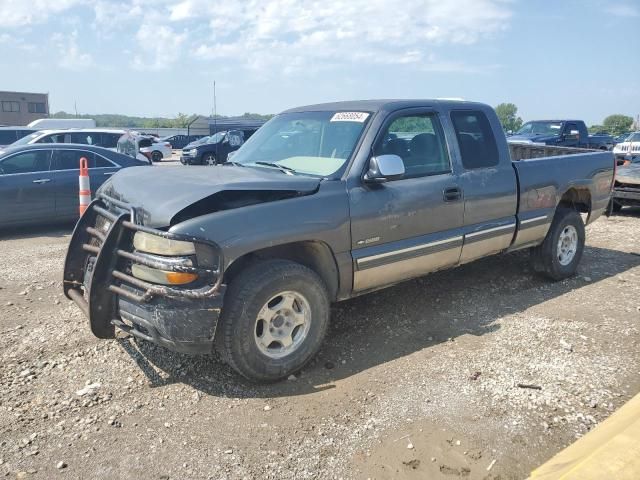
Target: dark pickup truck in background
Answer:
pixel 562 133
pixel 323 203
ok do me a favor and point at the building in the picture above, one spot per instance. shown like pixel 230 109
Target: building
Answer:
pixel 21 108
pixel 233 123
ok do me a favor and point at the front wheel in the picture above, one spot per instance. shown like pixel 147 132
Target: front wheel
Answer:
pixel 209 159
pixel 156 156
pixel 559 255
pixel 274 320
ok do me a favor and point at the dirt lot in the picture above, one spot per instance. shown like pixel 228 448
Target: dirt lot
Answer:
pixel 417 381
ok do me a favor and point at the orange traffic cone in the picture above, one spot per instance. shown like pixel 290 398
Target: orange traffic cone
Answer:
pixel 85 187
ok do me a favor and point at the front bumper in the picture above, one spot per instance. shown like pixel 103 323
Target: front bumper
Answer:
pixel 627 195
pixel 97 277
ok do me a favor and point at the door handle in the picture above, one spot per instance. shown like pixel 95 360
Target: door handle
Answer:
pixel 452 194
pixel 42 180
pixel 108 173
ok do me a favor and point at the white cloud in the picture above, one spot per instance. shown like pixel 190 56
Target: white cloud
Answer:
pixel 306 33
pixel 160 46
pixel 71 58
pixel 275 36
pixel 623 10
pixel 18 13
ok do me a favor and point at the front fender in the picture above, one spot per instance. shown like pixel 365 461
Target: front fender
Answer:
pixel 322 217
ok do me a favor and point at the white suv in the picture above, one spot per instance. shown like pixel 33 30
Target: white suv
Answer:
pixel 629 149
pixel 106 138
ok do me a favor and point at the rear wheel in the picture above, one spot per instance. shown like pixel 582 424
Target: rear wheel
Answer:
pixel 274 319
pixel 209 159
pixel 560 253
pixel 156 156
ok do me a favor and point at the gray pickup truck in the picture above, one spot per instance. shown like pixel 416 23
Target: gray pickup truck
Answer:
pixel 321 204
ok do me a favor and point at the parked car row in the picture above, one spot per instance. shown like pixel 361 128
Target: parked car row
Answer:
pixel 180 141
pixel 215 149
pixel 151 147
pixel 564 133
pixel 39 182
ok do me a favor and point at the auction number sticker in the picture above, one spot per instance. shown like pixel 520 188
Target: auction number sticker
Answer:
pixel 349 117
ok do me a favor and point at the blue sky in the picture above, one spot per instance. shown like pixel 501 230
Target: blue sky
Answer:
pixel 571 58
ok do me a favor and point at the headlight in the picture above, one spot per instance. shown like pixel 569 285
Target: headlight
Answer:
pixel 193 151
pixel 146 242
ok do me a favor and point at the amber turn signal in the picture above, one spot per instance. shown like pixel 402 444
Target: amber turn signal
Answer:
pixel 180 278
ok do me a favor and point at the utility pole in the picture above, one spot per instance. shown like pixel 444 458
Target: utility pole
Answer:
pixel 215 109
pixel 75 107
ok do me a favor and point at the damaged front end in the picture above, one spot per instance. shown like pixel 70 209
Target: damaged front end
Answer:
pixel 156 285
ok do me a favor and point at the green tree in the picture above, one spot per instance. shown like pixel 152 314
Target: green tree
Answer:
pixel 597 128
pixel 508 115
pixel 617 124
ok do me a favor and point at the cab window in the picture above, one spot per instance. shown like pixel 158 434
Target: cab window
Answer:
pixel 419 141
pixel 475 138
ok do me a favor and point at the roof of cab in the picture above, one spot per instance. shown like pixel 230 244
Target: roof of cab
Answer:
pixel 383 105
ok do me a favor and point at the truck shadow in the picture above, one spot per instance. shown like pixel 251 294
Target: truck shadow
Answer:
pixel 52 230
pixel 382 326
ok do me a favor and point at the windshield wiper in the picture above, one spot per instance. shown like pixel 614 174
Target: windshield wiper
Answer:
pixel 282 168
pixel 235 164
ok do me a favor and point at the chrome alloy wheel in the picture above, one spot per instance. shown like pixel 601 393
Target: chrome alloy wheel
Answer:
pixel 567 245
pixel 282 324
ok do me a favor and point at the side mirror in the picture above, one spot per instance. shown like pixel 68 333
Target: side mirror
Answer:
pixel 231 154
pixel 384 168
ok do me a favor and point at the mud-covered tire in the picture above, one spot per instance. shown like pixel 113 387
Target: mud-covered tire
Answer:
pixel 246 296
pixel 547 258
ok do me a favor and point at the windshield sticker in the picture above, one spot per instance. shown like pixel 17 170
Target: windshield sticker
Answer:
pixel 349 117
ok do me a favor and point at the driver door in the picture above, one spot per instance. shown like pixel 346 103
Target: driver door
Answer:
pixel 412 226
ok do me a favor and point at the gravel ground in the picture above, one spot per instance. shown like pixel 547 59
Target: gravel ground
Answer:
pixel 416 381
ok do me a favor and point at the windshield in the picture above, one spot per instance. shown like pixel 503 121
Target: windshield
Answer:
pixel 215 138
pixel 314 143
pixel 540 128
pixel 634 137
pixel 26 140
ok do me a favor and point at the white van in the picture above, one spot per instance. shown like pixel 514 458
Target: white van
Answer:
pixel 58 123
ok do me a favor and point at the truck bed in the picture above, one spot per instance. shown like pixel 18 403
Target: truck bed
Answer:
pixel 527 151
pixel 545 173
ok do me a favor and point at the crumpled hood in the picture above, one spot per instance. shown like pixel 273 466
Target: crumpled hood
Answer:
pixel 158 194
pixel 629 174
pixel 532 138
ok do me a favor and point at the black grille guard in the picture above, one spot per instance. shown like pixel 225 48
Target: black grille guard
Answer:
pixel 109 249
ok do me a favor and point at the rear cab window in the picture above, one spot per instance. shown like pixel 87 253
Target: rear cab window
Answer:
pixel 476 141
